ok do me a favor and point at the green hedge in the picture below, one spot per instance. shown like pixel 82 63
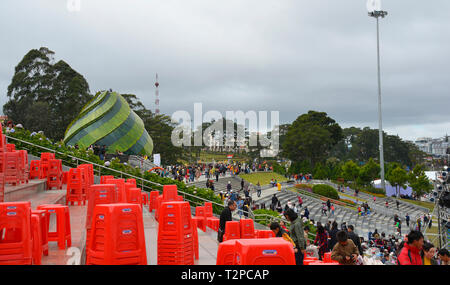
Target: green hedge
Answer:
pixel 326 190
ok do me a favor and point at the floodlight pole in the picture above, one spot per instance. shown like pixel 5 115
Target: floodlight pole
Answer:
pixel 382 14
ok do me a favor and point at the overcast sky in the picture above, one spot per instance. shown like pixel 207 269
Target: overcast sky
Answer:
pixel 289 56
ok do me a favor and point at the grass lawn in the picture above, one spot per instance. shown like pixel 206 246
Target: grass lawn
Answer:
pixel 427 205
pixel 264 178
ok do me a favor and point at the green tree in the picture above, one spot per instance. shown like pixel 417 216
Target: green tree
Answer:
pixel 320 172
pixel 398 178
pixel 311 137
pixel 369 172
pixel 418 181
pixel 350 171
pixel 38 79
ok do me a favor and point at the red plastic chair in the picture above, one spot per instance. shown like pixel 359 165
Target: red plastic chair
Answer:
pixel 247 228
pixel 16 247
pixel 271 251
pixel 175 234
pixel 232 231
pixel 225 252
pixel 117 236
pixel 34 169
pixel 63 234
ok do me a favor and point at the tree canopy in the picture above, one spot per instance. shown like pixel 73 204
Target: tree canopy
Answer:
pixel 310 137
pixel 45 96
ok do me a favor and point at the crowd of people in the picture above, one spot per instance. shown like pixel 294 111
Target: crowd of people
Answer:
pixel 343 242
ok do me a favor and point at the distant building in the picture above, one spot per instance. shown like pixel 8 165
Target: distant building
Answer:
pixel 436 147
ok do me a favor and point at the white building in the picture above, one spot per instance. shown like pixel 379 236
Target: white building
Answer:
pixel 431 146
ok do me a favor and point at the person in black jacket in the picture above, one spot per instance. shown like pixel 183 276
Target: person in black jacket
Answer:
pixel 333 232
pixel 355 238
pixel 225 217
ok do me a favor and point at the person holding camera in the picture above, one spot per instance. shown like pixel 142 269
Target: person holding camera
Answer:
pixel 345 251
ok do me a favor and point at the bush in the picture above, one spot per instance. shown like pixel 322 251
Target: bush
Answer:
pixel 326 190
pixel 265 220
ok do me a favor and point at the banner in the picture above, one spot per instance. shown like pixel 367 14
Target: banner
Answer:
pixel 157 159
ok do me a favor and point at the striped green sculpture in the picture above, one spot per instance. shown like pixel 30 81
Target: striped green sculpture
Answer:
pixel 108 120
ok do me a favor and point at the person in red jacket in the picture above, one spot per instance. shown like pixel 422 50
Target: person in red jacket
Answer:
pixel 410 253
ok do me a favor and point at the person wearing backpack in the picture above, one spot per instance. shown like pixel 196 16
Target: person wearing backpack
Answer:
pixel 410 252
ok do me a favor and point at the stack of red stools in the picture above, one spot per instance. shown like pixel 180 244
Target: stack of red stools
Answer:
pixel 98 194
pixel 211 221
pixel 23 166
pixel 87 174
pixel 247 228
pixel 75 190
pixel 117 236
pixel 120 188
pixel 134 196
pixel 2 166
pixel 64 177
pixel 16 238
pixel 10 147
pixel 152 202
pixel 144 198
pixel 200 217
pixel 54 175
pixel 45 164
pixel 12 168
pixel 175 234
pixel 271 251
pixel 225 252
pixel 104 177
pixel 132 181
pixel 232 230
pixel 34 169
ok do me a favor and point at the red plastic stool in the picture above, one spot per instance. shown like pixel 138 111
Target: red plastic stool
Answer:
pixel 195 234
pixel 62 234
